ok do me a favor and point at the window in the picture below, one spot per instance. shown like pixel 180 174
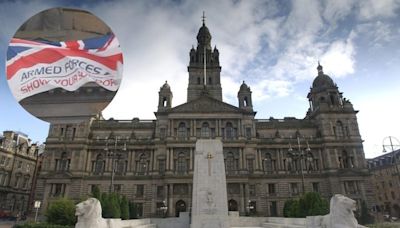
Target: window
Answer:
pixel 229 131
pixel 250 165
pixel 315 187
pixel 230 163
pixel 294 188
pixel 160 192
pixel 17 180
pixel 3 160
pixel 393 195
pixel 25 182
pixel 268 163
pixel 182 131
pixel 252 190
pixel 161 166
pixel 350 187
pixel 205 130
pixel 233 188
pixel 142 165
pixel 19 164
pixel 121 167
pixel 163 133
pixel 62 164
pixel 271 189
pixel 98 165
pixel 139 190
pixel 346 161
pixel 181 164
pixel 339 130
pixel 139 210
pixel 248 132
pixel 273 209
pixel 57 190
pixel 181 189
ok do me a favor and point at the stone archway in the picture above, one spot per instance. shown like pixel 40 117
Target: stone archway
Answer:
pixel 232 205
pixel 180 206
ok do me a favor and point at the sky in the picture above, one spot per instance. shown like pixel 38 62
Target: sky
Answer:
pixel 274 46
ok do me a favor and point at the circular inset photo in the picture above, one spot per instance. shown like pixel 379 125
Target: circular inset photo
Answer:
pixel 64 65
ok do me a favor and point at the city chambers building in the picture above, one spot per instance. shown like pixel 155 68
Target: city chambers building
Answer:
pixel 267 161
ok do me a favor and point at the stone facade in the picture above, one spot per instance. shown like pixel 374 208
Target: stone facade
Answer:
pixel 265 159
pixel 386 182
pixel 18 166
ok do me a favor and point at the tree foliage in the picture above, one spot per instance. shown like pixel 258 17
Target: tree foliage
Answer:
pixel 364 216
pixel 61 212
pixel 124 208
pixel 113 205
pixel 309 204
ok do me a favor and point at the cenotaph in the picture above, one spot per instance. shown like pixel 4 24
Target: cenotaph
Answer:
pixel 209 199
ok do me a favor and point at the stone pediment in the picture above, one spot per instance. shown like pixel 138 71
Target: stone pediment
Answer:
pixel 59 175
pixel 206 104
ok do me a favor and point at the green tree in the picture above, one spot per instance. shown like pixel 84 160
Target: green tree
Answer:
pixel 364 216
pixel 114 205
pixel 61 212
pixel 132 210
pixel 309 204
pixel 105 205
pixel 96 192
pixel 124 208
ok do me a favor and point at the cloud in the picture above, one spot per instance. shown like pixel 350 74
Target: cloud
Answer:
pixel 371 9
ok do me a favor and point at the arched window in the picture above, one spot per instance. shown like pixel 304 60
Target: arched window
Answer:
pixel 230 163
pixel 229 131
pixel 310 166
pixel 205 130
pixel 164 103
pixel 339 129
pixel 181 164
pixel 269 163
pixel 99 165
pixel 182 131
pixel 346 161
pixel 142 165
pixel 121 167
pixel 63 163
pixel 246 103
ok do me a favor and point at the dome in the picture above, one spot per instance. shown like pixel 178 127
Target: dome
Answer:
pixel 322 80
pixel 244 86
pixel 204 36
pixel 165 86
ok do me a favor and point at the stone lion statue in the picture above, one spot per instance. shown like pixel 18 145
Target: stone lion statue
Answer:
pixel 341 213
pixel 89 214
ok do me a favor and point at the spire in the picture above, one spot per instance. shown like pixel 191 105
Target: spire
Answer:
pixel 319 68
pixel 204 36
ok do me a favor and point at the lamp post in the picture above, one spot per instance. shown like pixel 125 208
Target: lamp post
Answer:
pixel 164 208
pixel 299 155
pixel 115 157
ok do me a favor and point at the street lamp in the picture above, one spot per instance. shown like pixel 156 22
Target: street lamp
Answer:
pixel 164 208
pixel 299 155
pixel 115 157
pixel 250 206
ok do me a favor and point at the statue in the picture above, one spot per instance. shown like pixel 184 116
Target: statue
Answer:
pixel 341 213
pixel 89 214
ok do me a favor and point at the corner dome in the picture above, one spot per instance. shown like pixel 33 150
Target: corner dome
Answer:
pixel 244 86
pixel 165 86
pixel 322 80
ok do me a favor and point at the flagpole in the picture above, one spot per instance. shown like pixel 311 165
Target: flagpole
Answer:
pixel 205 67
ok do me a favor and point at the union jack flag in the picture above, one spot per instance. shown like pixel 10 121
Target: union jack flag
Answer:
pixel 38 66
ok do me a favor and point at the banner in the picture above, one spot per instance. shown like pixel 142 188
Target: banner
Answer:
pixel 34 67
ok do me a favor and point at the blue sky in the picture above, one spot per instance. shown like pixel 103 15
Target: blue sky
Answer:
pixel 273 45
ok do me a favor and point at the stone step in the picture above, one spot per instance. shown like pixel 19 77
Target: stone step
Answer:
pixel 277 225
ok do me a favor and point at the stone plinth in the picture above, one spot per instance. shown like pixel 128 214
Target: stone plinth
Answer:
pixel 209 205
